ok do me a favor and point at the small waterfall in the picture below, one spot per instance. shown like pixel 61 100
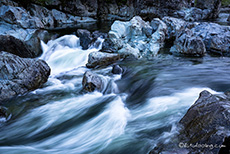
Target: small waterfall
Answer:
pixel 65 53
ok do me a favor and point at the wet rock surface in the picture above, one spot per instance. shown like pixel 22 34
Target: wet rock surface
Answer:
pixel 189 44
pixel 207 122
pixel 91 82
pixel 99 59
pixel 20 75
pixel 216 37
pixel 22 42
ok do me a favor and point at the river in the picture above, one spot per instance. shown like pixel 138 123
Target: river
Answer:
pixel 133 114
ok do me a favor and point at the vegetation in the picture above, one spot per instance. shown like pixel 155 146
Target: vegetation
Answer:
pixel 225 2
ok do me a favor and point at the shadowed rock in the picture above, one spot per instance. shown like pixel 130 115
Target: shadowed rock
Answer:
pixel 20 75
pixel 92 82
pixel 207 122
pixel 189 44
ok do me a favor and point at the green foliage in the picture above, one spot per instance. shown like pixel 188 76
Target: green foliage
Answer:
pixel 225 2
pixel 121 2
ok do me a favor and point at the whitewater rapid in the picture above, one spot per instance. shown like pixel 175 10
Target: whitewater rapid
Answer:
pixel 73 122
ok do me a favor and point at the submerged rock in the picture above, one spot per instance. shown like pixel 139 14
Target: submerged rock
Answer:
pixel 117 69
pixel 98 59
pixel 20 75
pixel 92 82
pixel 189 44
pixel 207 122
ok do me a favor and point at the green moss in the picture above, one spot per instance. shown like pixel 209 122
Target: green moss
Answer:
pixel 225 2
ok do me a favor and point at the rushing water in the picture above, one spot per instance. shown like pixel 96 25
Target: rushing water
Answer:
pixel 138 110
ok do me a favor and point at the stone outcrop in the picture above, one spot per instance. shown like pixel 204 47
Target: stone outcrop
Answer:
pixel 189 44
pixel 22 42
pixel 207 122
pixel 19 16
pixel 20 75
pixel 216 37
pixel 107 9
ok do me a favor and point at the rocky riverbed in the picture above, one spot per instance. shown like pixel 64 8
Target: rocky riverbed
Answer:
pixel 155 80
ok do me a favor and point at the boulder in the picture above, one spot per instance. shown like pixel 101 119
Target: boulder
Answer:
pixel 189 44
pixel 116 10
pixel 85 38
pixel 117 69
pixel 176 26
pixel 19 16
pixel 136 35
pixel 99 59
pixel 158 37
pixel 207 122
pixel 92 82
pixel 216 37
pixel 22 42
pixel 90 40
pixel 20 75
pixel 129 52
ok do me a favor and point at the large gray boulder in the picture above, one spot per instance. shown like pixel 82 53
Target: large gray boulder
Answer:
pixel 175 26
pixel 22 42
pixel 216 37
pixel 189 44
pixel 99 59
pixel 20 75
pixel 19 16
pixel 207 122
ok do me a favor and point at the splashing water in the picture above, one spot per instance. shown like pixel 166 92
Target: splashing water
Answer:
pixel 69 121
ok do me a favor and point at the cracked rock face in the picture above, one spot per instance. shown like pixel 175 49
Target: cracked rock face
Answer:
pixel 207 122
pixel 20 75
